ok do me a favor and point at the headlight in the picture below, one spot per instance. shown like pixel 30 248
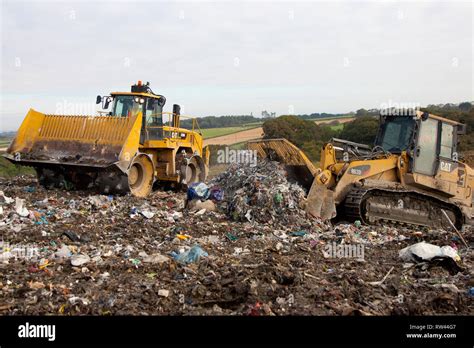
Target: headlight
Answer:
pixel 136 99
pixel 142 100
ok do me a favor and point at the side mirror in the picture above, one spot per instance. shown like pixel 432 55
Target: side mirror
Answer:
pixel 176 109
pixel 425 116
pixel 98 100
pixel 107 103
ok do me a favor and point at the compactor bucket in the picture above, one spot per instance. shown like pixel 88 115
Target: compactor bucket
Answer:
pixel 297 165
pixel 76 148
pixel 320 202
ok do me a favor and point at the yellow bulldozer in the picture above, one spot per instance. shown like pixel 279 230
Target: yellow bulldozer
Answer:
pixel 126 149
pixel 413 173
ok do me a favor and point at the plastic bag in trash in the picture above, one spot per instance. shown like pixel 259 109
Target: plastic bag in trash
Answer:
pixel 217 194
pixel 191 256
pixel 425 252
pixel 198 191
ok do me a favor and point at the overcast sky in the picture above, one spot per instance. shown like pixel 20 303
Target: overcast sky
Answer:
pixel 235 57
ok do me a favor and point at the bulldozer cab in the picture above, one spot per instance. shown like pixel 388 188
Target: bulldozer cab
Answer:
pixel 141 102
pixel 430 141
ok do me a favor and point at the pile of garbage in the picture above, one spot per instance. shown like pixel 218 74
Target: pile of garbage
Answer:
pixel 78 253
pixel 261 193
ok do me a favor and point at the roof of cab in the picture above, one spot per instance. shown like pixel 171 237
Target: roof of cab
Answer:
pixel 148 95
pixel 436 117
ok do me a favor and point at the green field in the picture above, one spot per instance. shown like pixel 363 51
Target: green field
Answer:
pixel 8 170
pixel 4 142
pixel 337 127
pixel 331 118
pixel 208 133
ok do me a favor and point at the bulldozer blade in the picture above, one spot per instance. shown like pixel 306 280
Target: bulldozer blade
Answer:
pixel 46 141
pixel 299 168
pixel 320 202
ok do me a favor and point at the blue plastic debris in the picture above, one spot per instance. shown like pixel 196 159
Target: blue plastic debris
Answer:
pixel 191 256
pixel 298 234
pixel 198 190
pixel 217 194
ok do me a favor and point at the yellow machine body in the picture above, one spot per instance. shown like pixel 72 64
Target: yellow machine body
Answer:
pixel 410 184
pixel 119 152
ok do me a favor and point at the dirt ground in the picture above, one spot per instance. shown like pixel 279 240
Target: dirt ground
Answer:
pixel 251 268
pixel 255 133
pixel 235 138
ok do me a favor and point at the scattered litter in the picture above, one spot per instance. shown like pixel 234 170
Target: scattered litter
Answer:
pixel 5 199
pixel 147 214
pixel 75 300
pixel 298 234
pixel 36 285
pixel 182 236
pixel 79 260
pixel 98 201
pixel 193 255
pixel 450 287
pixel 156 259
pixel 72 236
pixel 163 293
pixel 198 191
pixel 30 189
pixel 425 252
pixel 173 217
pixel 63 253
pixel 231 237
pixel 380 282
pixel 43 263
pixel 217 194
pixel 20 209
pixel 199 205
pixel 135 262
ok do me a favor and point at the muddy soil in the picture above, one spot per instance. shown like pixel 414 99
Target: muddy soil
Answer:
pixel 87 254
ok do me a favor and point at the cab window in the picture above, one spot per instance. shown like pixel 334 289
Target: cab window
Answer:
pixel 125 106
pixel 446 148
pixel 153 114
pixel 396 134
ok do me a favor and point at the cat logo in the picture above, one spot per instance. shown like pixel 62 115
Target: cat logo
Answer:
pixel 446 166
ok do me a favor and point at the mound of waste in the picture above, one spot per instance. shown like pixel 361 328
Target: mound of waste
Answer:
pixel 261 193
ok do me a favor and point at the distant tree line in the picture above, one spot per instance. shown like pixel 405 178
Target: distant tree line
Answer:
pixel 307 135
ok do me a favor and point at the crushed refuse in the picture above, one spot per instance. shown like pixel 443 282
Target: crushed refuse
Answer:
pixel 262 194
pixel 426 252
pixel 255 253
